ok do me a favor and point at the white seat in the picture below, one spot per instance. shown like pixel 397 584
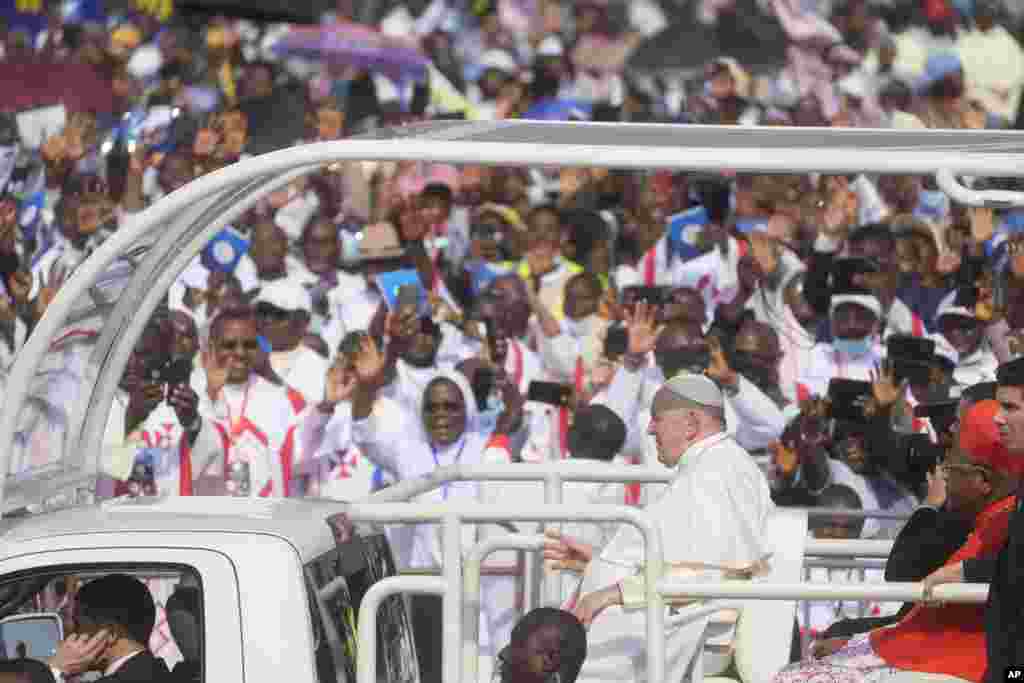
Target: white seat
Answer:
pixel 764 632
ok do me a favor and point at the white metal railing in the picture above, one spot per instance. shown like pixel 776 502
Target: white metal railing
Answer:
pixel 461 591
pixel 856 547
pixel 453 515
pixel 894 592
pixel 366 633
pixel 555 474
pixel 471 592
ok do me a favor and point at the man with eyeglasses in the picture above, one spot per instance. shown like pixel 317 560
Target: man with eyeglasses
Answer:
pixel 1004 571
pixel 254 417
pixel 963 332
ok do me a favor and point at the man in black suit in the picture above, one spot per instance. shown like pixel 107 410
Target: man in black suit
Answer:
pixel 115 617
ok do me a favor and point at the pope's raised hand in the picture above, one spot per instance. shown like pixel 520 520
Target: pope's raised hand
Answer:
pixel 565 552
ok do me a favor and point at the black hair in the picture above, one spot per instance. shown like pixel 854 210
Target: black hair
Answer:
pixel 543 83
pixel 592 280
pixel 979 392
pixel 873 231
pixel 586 229
pixel 231 314
pixel 438 191
pixel 714 194
pixel 597 433
pixel 572 641
pixel 545 208
pixel 840 496
pixel 119 600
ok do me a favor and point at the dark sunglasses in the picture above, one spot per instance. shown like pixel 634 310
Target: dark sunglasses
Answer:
pixel 238 345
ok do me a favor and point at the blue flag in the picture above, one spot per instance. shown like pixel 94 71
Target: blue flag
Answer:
pixel 389 283
pixel 224 251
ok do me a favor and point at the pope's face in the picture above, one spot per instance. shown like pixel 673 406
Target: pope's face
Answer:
pixel 671 431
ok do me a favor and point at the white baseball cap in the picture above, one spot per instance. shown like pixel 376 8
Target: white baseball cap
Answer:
pixel 285 295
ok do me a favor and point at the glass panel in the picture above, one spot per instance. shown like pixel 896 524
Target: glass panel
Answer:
pixel 362 562
pixel 41 461
pixel 32 636
pixel 398 652
pixel 340 609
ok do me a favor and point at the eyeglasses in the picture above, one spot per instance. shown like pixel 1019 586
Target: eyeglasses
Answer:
pixel 439 406
pixel 238 345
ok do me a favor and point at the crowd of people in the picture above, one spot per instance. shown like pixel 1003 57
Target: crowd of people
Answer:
pixel 374 321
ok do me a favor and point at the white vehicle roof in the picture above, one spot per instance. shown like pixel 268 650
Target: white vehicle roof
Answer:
pixel 59 390
pixel 302 523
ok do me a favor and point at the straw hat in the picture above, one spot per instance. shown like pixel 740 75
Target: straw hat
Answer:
pixel 379 242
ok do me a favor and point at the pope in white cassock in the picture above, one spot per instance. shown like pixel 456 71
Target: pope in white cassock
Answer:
pixel 713 513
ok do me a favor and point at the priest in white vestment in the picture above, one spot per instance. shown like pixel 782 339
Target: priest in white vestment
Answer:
pixel 713 512
pixel 255 418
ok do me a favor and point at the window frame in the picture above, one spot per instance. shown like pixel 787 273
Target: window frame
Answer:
pixel 149 569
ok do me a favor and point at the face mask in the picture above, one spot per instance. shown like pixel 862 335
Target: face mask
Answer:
pixel 852 347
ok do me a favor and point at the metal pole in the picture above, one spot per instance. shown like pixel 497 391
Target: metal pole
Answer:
pixel 851 548
pixel 552 582
pixel 532 568
pixel 838 563
pixel 471 603
pixel 451 546
pixel 366 655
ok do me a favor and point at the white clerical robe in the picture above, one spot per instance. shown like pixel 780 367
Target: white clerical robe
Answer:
pixel 570 355
pixel 302 369
pixel 333 466
pixel 257 425
pixel 160 440
pixel 715 512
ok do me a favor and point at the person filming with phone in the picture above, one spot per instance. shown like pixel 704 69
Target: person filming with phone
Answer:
pixel 154 420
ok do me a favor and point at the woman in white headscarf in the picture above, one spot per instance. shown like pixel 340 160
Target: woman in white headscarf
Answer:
pixel 452 434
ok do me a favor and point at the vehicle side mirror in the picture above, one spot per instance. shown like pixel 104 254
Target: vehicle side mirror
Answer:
pixel 30 635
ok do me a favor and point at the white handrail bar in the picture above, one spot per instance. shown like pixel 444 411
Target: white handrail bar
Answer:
pixel 848 563
pixel 894 592
pixel 366 664
pixel 471 606
pixel 847 548
pixel 567 470
pixel 994 199
pixel 453 514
